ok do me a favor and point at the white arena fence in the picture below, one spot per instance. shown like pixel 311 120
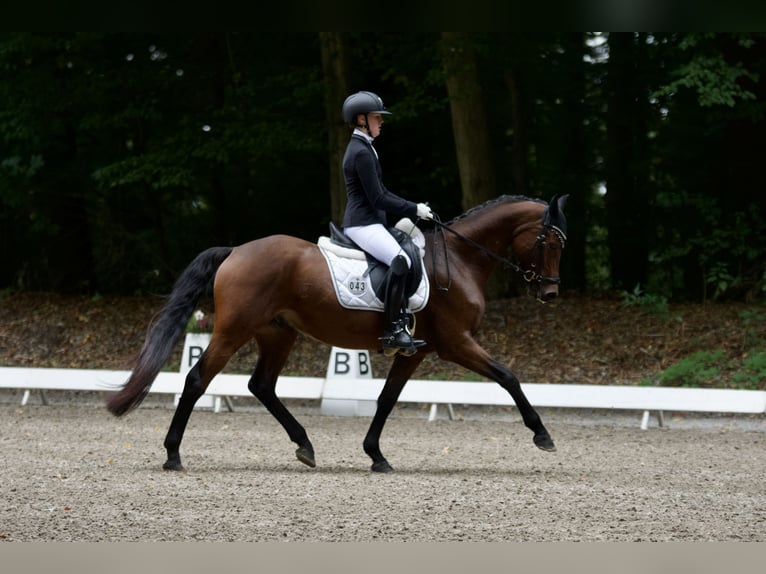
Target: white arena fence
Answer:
pixel 349 393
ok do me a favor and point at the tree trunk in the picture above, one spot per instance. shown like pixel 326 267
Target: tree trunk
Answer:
pixel 519 145
pixel 627 202
pixel 470 128
pixel 335 70
pixel 574 160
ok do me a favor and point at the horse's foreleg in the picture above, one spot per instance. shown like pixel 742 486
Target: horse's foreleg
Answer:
pixel 263 388
pixel 274 346
pixel 400 372
pixel 510 383
pixel 475 358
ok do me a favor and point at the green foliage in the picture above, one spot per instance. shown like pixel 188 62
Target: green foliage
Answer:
pixel 647 303
pixel 703 369
pixel 200 322
pixel 726 246
pixel 715 80
pixel 696 370
pixel 728 254
pixel 752 321
pixel 752 373
pixel 597 258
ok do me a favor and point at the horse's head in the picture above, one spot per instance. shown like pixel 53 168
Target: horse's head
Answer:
pixel 540 260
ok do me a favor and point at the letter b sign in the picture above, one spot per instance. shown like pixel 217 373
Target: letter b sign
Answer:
pixel 350 363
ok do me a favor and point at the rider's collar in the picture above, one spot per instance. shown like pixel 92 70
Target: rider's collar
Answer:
pixel 367 138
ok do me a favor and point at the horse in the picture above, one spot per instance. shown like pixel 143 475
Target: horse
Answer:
pixel 272 288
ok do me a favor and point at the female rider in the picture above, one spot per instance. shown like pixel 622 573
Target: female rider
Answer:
pixel 369 203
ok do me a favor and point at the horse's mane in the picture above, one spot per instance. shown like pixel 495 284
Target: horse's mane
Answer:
pixel 493 202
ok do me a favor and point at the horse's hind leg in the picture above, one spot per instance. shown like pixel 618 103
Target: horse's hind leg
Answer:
pixel 274 346
pixel 209 365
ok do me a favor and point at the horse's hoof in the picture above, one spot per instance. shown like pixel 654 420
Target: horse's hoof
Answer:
pixel 382 466
pixel 306 456
pixel 544 442
pixel 174 466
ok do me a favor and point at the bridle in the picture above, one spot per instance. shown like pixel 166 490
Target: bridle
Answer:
pixel 540 243
pixel 529 275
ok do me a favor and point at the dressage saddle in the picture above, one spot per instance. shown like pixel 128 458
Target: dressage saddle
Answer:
pixel 377 270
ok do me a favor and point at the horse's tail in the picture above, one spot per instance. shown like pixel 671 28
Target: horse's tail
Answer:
pixel 167 329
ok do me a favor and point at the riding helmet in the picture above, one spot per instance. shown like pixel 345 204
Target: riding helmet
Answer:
pixel 362 103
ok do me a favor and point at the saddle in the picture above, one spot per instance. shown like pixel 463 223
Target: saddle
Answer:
pixel 359 278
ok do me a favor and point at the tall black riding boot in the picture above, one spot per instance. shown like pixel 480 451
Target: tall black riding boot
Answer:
pixel 397 333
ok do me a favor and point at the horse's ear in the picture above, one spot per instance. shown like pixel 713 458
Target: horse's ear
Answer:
pixel 556 204
pixel 554 214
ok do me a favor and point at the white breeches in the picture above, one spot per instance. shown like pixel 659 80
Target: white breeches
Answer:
pixel 377 241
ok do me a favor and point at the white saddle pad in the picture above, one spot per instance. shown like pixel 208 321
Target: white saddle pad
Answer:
pixel 348 269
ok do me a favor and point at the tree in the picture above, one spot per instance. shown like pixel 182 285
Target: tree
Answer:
pixel 470 125
pixel 576 167
pixel 335 73
pixel 471 130
pixel 709 151
pixel 627 199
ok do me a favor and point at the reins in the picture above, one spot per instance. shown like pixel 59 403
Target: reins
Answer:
pixel 529 275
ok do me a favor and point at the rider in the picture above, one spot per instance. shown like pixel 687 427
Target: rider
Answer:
pixel 369 203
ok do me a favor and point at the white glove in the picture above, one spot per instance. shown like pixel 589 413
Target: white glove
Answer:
pixel 424 212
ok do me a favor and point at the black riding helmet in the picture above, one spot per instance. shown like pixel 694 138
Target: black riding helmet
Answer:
pixel 362 103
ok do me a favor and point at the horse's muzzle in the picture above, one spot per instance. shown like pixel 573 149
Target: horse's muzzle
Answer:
pixel 549 288
pixel 549 293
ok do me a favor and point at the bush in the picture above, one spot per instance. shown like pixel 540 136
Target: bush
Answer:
pixel 752 375
pixel 646 303
pixel 697 370
pixel 752 320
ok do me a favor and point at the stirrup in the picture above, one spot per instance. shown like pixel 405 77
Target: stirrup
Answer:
pixel 400 339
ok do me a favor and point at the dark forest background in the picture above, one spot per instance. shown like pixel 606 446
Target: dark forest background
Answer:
pixel 122 155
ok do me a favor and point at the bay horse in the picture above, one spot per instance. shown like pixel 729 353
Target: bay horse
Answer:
pixel 273 288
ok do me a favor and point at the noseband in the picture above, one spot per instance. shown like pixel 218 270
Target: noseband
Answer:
pixel 529 275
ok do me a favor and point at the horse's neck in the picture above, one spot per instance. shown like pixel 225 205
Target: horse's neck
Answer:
pixel 496 228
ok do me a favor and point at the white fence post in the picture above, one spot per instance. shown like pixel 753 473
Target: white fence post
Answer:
pixel 349 364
